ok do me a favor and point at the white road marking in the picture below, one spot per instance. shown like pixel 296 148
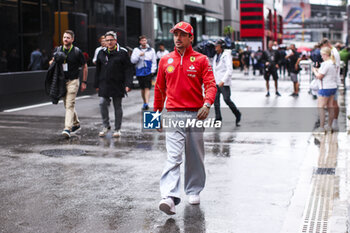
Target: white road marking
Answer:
pixel 41 105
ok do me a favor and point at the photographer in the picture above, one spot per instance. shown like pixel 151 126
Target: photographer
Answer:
pixel 271 60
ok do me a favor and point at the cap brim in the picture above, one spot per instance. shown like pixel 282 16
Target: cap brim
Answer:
pixel 174 29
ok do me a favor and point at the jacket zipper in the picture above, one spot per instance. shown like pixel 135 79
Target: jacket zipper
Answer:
pixel 182 56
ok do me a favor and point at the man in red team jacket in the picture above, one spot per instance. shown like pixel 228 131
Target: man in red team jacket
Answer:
pixel 179 81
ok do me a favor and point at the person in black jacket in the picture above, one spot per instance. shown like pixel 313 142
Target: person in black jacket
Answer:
pixel 73 61
pixel 113 79
pixel 271 60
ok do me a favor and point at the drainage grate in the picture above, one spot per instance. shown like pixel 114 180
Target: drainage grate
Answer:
pixel 319 206
pixel 325 171
pixel 320 203
pixel 62 152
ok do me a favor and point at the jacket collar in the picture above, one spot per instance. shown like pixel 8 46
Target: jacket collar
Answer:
pixel 105 49
pixel 188 50
pixel 147 47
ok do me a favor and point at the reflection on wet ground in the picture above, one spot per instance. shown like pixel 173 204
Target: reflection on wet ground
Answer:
pixel 114 185
pixel 193 221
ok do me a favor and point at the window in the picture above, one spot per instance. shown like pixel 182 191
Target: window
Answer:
pixel 336 36
pixel 198 1
pixel 164 19
pixel 212 26
pixel 197 23
pixel 104 12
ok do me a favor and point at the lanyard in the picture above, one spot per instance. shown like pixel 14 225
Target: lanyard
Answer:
pixel 109 51
pixel 218 58
pixel 70 49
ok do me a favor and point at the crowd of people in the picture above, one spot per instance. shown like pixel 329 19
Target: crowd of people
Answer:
pixel 281 61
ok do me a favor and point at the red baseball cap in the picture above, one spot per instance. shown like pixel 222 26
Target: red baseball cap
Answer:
pixel 183 26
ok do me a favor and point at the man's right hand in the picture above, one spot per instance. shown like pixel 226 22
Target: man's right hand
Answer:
pixel 203 113
pixel 97 89
pixel 161 128
pixel 142 54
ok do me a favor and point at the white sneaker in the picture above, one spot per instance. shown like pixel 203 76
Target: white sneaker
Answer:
pixel 320 130
pixel 167 205
pixel 117 134
pixel 66 133
pixel 194 199
pixel 328 129
pixel 104 132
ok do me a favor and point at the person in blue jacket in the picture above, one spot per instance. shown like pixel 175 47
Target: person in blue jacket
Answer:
pixel 145 60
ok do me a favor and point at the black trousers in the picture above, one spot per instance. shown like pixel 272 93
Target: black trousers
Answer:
pixel 226 92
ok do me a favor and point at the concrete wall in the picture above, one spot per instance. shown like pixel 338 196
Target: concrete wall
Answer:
pixel 27 88
pixel 216 6
pixel 231 14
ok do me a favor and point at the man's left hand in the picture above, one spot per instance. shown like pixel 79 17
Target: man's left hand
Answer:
pixel 83 87
pixel 221 84
pixel 203 113
pixel 127 89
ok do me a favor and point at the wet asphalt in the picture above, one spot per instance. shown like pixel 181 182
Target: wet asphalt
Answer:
pixel 91 184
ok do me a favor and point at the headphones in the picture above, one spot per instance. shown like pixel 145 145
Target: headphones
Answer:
pixel 221 42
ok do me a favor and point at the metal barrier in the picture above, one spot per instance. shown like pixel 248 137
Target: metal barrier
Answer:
pixel 307 65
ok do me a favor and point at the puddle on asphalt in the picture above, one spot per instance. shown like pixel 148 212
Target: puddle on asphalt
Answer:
pixel 62 152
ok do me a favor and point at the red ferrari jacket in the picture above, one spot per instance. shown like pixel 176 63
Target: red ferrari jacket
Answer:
pixel 180 80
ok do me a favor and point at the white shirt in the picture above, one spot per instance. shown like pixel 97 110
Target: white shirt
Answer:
pixel 97 50
pixel 160 54
pixel 328 69
pixel 223 68
pixel 336 55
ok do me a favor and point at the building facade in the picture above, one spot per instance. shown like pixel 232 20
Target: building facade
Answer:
pixel 27 25
pixel 232 17
pixel 261 21
pixel 206 17
pixel 307 22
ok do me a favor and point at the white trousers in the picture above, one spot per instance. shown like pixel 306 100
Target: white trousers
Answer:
pixel 191 141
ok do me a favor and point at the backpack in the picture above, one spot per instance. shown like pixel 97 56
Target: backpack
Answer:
pixel 76 50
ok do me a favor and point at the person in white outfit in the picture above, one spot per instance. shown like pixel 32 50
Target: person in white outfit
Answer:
pixel 145 60
pixel 162 51
pixel 326 43
pixel 222 67
pixel 327 87
pixel 98 49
